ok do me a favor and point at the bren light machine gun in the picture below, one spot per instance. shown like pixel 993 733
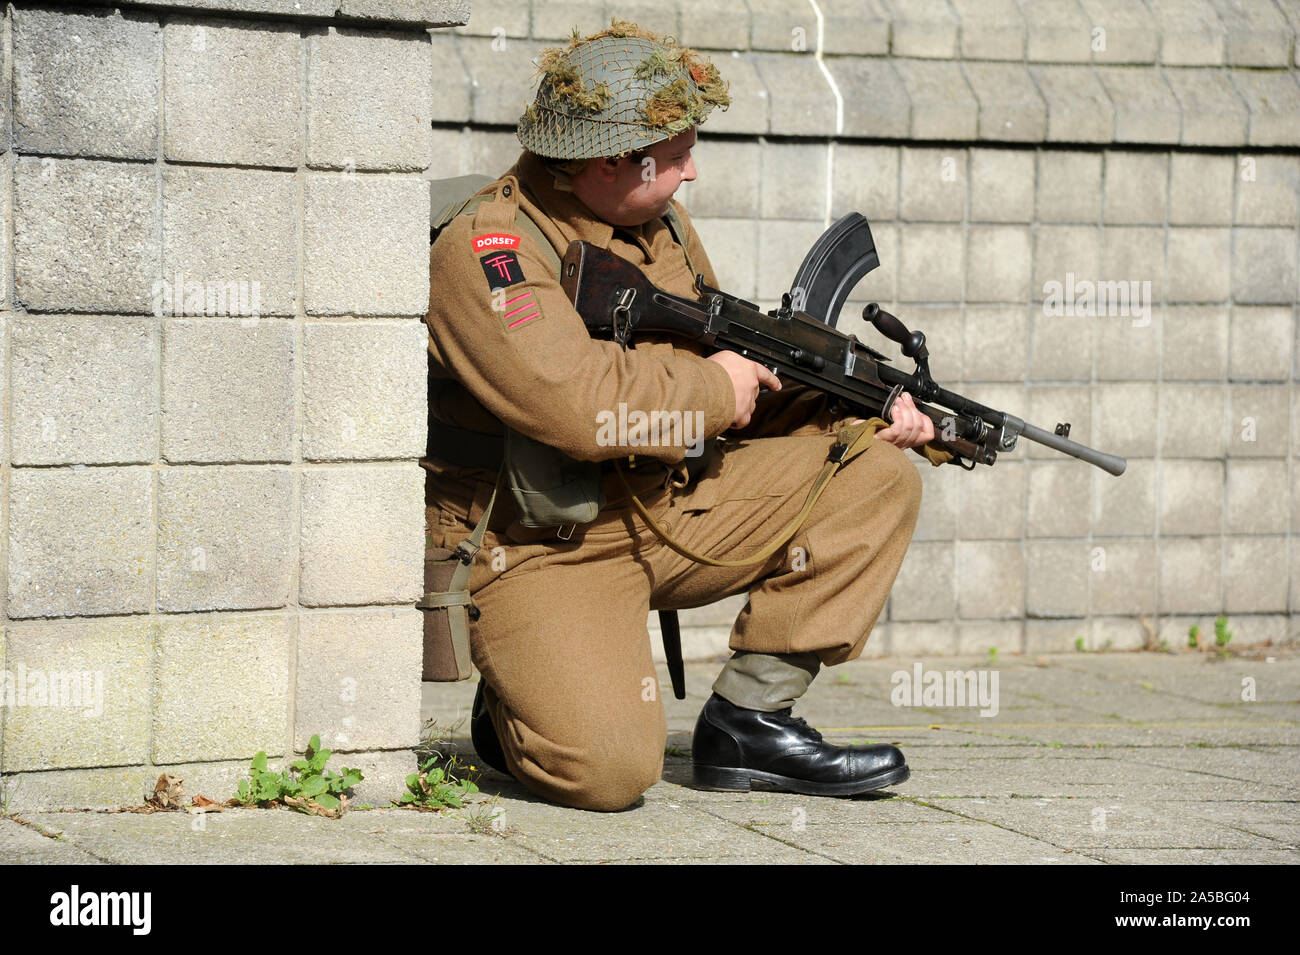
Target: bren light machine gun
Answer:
pixel 799 341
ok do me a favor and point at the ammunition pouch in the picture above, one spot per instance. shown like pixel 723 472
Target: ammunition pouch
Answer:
pixel 549 487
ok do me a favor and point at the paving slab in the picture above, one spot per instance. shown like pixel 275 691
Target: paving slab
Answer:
pixel 1269 765
pixel 1048 726
pixel 440 838
pixel 236 836
pixel 953 840
pixel 1198 857
pixel 774 810
pixel 1258 818
pixel 1058 734
pixel 651 830
pixel 1067 776
pixel 28 844
pixel 1230 732
pixel 1105 822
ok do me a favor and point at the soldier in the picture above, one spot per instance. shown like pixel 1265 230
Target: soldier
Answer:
pixel 568 700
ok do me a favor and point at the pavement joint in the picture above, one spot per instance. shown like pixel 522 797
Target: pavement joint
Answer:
pixel 1063 849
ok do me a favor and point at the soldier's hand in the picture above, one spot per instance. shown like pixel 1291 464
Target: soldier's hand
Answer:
pixel 746 378
pixel 910 428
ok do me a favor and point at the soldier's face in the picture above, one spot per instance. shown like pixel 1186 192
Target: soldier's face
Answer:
pixel 628 191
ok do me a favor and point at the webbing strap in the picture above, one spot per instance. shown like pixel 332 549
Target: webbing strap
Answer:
pixel 457 594
pixel 678 231
pixel 433 601
pixel 468 548
pixel 525 224
pixel 851 441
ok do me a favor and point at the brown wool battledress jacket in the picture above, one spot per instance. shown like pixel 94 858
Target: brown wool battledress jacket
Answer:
pixel 506 345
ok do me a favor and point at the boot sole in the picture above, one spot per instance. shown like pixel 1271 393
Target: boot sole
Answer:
pixel 724 779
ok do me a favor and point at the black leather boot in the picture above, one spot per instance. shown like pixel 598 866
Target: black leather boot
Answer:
pixel 484 735
pixel 733 746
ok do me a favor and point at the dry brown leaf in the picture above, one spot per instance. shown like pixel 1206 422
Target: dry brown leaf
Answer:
pixel 201 803
pixel 1150 635
pixel 313 807
pixel 167 793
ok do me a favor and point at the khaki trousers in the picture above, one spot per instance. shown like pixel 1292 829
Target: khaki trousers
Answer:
pixel 562 639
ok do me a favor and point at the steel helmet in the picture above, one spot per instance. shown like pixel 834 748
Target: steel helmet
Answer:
pixel 617 91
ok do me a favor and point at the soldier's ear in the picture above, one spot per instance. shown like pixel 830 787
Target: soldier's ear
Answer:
pixel 605 169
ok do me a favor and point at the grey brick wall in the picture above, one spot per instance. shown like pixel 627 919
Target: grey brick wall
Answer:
pixel 215 274
pixel 996 147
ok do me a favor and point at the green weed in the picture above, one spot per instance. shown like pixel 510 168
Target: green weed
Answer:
pixel 1222 635
pixel 486 818
pixel 308 786
pixel 438 784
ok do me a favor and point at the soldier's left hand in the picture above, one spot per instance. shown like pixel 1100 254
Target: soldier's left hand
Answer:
pixel 909 428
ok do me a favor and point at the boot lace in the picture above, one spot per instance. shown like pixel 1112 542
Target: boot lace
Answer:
pixel 800 722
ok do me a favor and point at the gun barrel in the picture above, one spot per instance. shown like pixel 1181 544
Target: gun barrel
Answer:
pixel 1109 463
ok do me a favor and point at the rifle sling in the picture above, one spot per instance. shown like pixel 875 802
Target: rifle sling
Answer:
pixel 851 441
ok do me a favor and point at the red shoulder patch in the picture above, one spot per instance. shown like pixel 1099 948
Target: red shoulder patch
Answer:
pixel 494 241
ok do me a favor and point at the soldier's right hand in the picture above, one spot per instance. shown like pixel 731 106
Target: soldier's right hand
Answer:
pixel 746 378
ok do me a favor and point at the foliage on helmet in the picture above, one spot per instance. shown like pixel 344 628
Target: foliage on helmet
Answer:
pixel 675 89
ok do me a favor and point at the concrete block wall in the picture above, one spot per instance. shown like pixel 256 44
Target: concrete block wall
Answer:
pixel 215 273
pixel 997 147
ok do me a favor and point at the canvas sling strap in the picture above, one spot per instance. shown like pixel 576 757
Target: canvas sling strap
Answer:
pixel 851 441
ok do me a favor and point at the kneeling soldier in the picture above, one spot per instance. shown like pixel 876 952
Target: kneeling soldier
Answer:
pixel 569 702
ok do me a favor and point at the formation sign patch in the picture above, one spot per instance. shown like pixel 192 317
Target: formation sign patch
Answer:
pixel 502 269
